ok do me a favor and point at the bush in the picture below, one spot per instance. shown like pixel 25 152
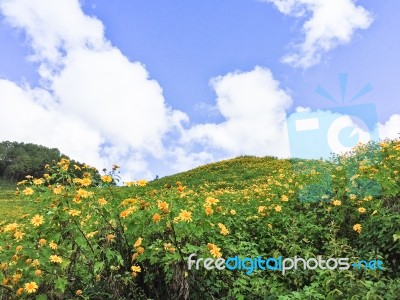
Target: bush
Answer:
pixel 98 241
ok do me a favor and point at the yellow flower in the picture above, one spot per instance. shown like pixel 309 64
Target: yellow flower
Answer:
pixel 11 227
pixel 130 183
pixel 16 277
pixel 209 210
pixel 284 198
pixel 19 291
pixel 125 213
pixel 261 209
pixel 156 218
pixel 139 250
pixel 233 212
pixel 141 182
pixel 106 178
pixel 185 215
pixel 38 273
pixel 357 227
pixel 55 259
pixel 269 226
pixel 35 263
pixel 83 193
pixel 42 242
pixel 211 201
pixel 110 238
pixel 352 196
pixel 19 235
pixel 138 242
pixel 74 212
pixel 53 245
pixel 86 181
pixel 163 206
pixel 224 230
pixel 38 181
pixel 91 234
pixel 58 189
pixel 362 210
pixel 214 250
pixel 77 181
pixel 37 220
pixel 278 208
pixel 337 202
pixel 28 191
pixel 31 287
pixel 78 292
pixel 136 269
pixel 102 201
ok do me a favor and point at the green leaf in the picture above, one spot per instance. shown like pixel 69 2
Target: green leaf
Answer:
pixel 41 297
pixel 120 260
pixel 98 267
pixel 80 241
pixel 396 236
pixel 60 284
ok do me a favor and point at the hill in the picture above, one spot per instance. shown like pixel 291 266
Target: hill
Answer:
pixel 120 242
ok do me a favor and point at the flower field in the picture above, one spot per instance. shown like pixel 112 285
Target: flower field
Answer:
pixel 72 238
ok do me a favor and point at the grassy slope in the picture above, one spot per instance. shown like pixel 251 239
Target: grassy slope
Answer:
pixel 10 204
pixel 237 174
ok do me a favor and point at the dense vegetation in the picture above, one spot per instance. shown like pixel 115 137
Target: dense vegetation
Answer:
pixel 79 240
pixel 17 160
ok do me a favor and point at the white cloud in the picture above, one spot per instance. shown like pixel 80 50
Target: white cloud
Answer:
pixel 302 109
pixel 329 23
pixel 391 128
pixel 100 108
pixel 93 103
pixel 253 106
pixel 53 26
pixel 24 120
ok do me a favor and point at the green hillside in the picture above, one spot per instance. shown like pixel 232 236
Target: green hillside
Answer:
pixel 83 241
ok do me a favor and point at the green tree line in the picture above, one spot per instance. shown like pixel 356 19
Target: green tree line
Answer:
pixel 18 160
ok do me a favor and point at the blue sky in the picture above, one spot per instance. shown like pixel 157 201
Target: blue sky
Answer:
pixel 163 86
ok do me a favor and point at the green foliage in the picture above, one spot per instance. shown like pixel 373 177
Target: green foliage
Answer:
pixel 93 240
pixel 18 160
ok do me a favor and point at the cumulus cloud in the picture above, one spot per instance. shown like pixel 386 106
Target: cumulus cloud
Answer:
pixel 23 119
pixel 391 128
pixel 253 105
pixel 92 103
pixel 328 24
pixel 100 108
